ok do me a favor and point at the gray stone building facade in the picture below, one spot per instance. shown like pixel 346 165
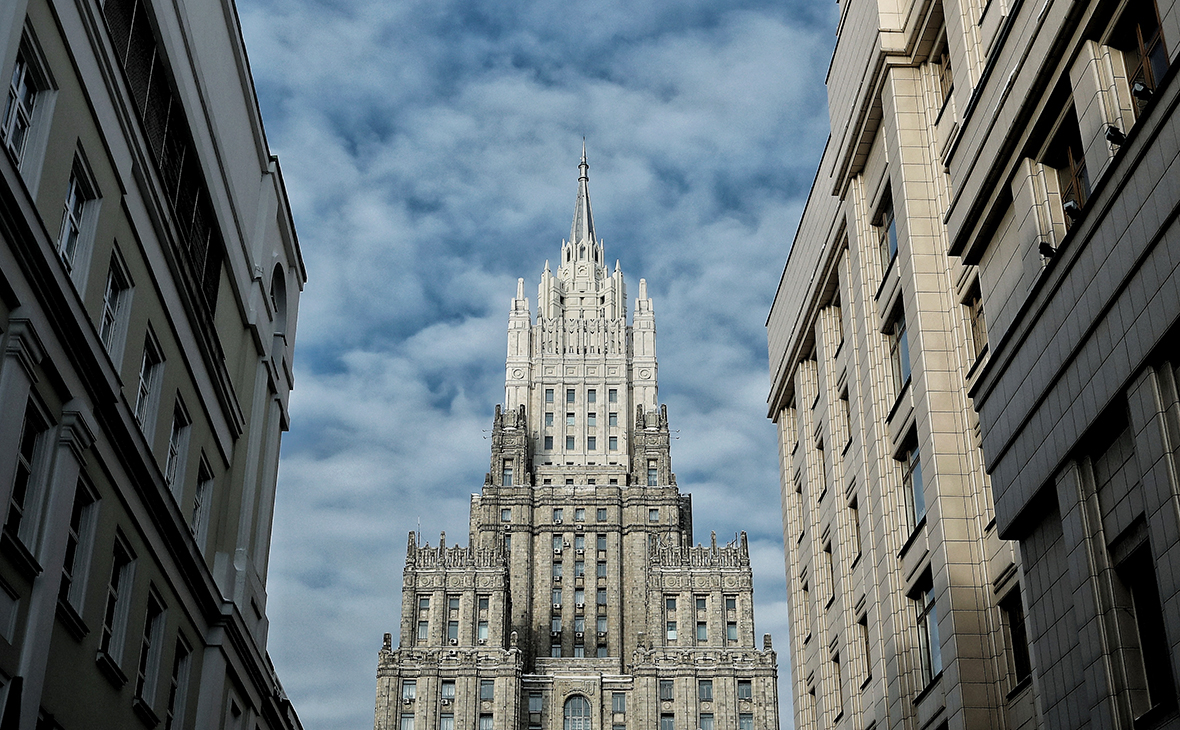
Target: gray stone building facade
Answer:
pixel 149 284
pixel 580 601
pixel 973 358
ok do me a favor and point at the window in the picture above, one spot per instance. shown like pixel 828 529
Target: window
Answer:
pixel 177 446
pixel 618 702
pixel 114 619
pixel 75 230
pixel 745 689
pixel 558 514
pixel 558 543
pixel 507 473
pixel 178 686
pixel 557 571
pixel 569 395
pixel 731 603
pixel 911 485
pixel 487 689
pixel 569 419
pixel 149 652
pixel 706 721
pixel 671 631
pixel 929 648
pixel 854 520
pixel 612 443
pixel 1137 35
pixel 485 722
pixel 1064 154
pixel 579 650
pixel 830 563
pixel 579 515
pixel 666 690
pixel 26 485
pixel 600 514
pixel 506 514
pixel 423 630
pixel 601 596
pixel 453 631
pixel 114 309
pixel 702 631
pixel 1017 636
pixel 899 352
pixel 838 675
pixel 1144 652
pixel 549 418
pixel 602 624
pixel 591 443
pixel 731 634
pixel 577 713
pixel 580 595
pixel 887 236
pixel 79 539
pixel 592 418
pixel 555 650
pixel 23 88
pixel 447 721
pixel 555 624
pixel 549 395
pixel 556 596
pixel 601 569
pixel 652 474
pixel 591 396
pixel 508 543
pixel 667 721
pixel 548 443
pixel 601 542
pixel 409 689
pixel 863 626
pixel 705 690
pixel 447 691
pixel 202 502
pixel 745 721
pixel 612 396
pixel 407 722
pixel 569 446
pixel 481 631
pixel 579 625
pixel 535 702
pixel 653 515
pixel 977 321
pixel 612 419
pixel 942 68
pixel 579 568
pixel 149 380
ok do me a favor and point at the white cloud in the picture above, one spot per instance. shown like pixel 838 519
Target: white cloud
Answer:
pixel 430 151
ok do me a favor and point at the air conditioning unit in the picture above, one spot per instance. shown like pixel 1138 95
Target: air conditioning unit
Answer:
pixel 483 642
pixel 567 543
pixel 407 700
pixel 557 551
pixel 601 634
pixel 555 634
pixel 580 606
pixel 578 635
pixel 445 701
pixel 580 551
pixel 453 642
pixel 558 521
pixel 557 607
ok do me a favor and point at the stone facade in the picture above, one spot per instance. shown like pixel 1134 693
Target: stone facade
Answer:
pixel 973 361
pixel 149 284
pixel 581 601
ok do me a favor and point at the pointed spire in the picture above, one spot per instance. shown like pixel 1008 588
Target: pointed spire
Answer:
pixel 582 230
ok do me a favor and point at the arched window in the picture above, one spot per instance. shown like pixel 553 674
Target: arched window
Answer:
pixel 577 713
pixel 278 299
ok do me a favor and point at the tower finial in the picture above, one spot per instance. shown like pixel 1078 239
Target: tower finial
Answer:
pixel 582 230
pixel 583 150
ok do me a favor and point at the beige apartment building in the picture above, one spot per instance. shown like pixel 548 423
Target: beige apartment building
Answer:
pixel 580 601
pixel 149 284
pixel 992 230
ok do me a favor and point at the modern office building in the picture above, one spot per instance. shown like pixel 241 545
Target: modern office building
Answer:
pixel 580 601
pixel 149 284
pixel 992 230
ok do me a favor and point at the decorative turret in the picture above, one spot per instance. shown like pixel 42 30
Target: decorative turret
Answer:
pixel 512 462
pixel 650 460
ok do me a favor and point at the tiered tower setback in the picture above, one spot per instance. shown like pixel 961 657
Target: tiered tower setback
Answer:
pixel 581 601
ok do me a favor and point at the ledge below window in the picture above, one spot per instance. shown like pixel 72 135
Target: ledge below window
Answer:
pixel 110 670
pixel 146 714
pixel 21 558
pixel 69 617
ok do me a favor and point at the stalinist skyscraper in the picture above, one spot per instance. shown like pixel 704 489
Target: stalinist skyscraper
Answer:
pixel 581 601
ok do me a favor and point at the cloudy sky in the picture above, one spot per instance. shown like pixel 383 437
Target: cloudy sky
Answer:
pixel 430 149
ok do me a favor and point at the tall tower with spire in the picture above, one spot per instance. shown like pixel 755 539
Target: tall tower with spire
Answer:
pixel 580 600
